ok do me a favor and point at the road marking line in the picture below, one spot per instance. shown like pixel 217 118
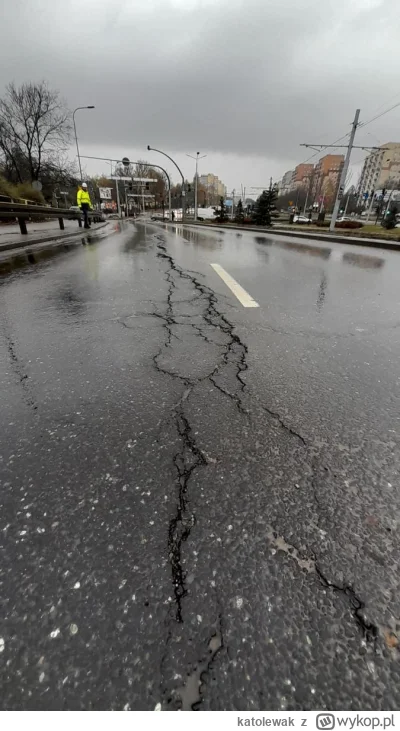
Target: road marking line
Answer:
pixel 241 294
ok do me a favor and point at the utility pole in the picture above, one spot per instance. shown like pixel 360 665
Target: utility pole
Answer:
pixel 116 185
pixel 345 168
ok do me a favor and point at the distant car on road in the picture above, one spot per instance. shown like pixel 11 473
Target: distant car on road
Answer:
pixel 159 217
pixel 301 219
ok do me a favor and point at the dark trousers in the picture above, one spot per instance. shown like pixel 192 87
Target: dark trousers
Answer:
pixel 85 210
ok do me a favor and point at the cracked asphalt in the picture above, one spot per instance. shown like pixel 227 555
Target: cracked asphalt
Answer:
pixel 200 502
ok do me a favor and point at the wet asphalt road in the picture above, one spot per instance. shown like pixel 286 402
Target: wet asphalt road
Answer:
pixel 199 502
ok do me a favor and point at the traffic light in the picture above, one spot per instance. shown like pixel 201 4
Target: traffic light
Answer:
pixel 147 186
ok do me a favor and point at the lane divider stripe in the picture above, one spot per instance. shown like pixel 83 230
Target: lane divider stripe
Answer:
pixel 244 298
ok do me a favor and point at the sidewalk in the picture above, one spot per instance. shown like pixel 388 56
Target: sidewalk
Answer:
pixel 17 251
pixel 11 237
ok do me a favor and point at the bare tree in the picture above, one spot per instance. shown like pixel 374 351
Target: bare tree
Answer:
pixel 34 127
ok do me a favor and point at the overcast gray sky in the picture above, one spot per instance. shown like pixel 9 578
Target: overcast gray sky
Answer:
pixel 243 81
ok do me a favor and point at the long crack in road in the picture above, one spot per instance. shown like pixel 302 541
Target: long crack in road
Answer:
pixel 182 528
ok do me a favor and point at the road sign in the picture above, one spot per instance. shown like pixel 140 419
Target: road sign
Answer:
pixel 120 177
pixel 139 195
pixel 126 161
pixel 105 193
pixel 36 185
pixel 144 180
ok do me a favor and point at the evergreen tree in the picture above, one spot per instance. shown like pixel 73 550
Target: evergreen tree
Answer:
pixel 390 219
pixel 265 203
pixel 239 214
pixel 220 214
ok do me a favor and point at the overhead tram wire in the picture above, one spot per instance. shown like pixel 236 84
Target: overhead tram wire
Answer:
pixel 373 119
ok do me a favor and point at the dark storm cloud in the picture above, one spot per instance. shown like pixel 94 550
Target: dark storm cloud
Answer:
pixel 251 77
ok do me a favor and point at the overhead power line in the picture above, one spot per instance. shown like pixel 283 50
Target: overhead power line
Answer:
pixel 364 124
pixel 323 147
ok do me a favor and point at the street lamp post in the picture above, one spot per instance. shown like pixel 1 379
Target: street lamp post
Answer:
pixel 76 136
pixel 197 158
pixel 153 149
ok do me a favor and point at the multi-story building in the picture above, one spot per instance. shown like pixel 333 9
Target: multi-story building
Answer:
pixel 214 187
pixel 381 168
pixel 285 184
pixel 326 179
pixel 301 175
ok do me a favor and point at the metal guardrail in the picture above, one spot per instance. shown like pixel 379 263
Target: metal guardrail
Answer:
pixel 23 213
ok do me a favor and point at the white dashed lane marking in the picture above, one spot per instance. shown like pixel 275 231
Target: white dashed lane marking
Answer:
pixel 244 298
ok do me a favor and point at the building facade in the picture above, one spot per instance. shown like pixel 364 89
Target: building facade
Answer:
pixel 214 187
pixel 381 169
pixel 285 183
pixel 326 178
pixel 301 175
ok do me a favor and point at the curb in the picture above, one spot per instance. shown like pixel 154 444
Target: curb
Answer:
pixel 21 255
pixel 350 241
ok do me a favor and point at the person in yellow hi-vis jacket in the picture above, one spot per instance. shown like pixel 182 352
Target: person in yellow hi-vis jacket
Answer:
pixel 84 202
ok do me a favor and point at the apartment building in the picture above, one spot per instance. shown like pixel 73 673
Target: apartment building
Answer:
pixel 326 178
pixel 381 168
pixel 285 183
pixel 301 175
pixel 214 186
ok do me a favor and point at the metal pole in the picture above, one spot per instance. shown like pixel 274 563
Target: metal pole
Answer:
pixel 177 167
pixel 343 176
pixel 126 203
pixel 195 189
pixel 308 193
pixel 347 203
pixel 76 136
pixel 305 204
pixel 118 203
pixel 77 146
pixel 370 206
pixel 197 158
